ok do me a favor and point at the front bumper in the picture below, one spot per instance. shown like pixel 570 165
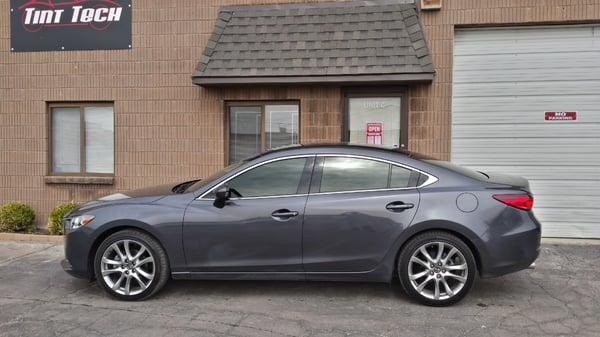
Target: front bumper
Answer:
pixel 78 244
pixel 67 267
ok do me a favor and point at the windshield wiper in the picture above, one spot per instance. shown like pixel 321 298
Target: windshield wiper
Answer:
pixel 180 188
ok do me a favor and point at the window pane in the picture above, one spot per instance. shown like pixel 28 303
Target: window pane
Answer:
pixel 400 177
pixel 375 121
pixel 348 174
pixel 244 132
pixel 281 125
pixel 65 140
pixel 277 178
pixel 99 140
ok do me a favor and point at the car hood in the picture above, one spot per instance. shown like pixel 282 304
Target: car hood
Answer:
pixel 142 195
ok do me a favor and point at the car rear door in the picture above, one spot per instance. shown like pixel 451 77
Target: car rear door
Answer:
pixel 260 227
pixel 357 207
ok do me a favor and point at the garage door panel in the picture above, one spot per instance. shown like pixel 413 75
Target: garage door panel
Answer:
pixel 539 88
pixel 504 79
pixel 556 130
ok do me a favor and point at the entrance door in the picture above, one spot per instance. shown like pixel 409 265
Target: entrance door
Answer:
pixel 376 120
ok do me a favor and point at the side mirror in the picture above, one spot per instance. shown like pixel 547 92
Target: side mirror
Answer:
pixel 221 196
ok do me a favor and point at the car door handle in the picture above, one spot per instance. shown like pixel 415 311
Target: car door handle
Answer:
pixel 284 214
pixel 398 206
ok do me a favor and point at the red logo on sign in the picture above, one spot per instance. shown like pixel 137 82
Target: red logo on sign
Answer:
pixel 374 133
pixel 560 115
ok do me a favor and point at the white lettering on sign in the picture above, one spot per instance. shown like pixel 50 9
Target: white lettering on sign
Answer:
pixel 373 105
pixel 35 16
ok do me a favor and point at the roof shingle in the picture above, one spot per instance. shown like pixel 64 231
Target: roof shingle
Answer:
pixel 352 41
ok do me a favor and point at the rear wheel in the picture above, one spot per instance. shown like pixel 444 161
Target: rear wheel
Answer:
pixel 436 268
pixel 131 265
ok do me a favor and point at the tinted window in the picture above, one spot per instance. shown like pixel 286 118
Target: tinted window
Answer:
pixel 400 177
pixel 349 174
pixel 276 178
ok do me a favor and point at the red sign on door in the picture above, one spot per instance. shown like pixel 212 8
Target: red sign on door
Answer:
pixel 560 115
pixel 374 133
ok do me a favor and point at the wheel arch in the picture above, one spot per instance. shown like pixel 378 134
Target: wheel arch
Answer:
pixel 115 227
pixel 463 233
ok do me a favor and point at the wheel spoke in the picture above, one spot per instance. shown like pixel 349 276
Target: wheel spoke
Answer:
pixel 436 294
pixel 438 258
pixel 118 250
pixel 450 254
pixel 418 275
pixel 127 249
pixel 111 271
pixel 419 261
pixel 457 267
pixel 118 283
pixel 144 261
pixel 149 276
pixel 449 291
pixel 459 278
pixel 426 254
pixel 139 253
pixel 422 285
pixel 127 285
pixel 139 280
pixel 113 262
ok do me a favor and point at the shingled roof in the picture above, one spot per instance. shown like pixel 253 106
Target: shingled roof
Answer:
pixel 333 42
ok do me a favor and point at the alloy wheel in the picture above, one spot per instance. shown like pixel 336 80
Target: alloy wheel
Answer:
pixel 438 270
pixel 128 267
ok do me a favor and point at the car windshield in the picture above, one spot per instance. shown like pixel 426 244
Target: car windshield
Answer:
pixel 195 186
pixel 458 169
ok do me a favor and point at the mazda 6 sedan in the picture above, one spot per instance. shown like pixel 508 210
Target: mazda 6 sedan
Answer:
pixel 326 213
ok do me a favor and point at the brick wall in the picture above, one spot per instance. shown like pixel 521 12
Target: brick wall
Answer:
pixel 168 129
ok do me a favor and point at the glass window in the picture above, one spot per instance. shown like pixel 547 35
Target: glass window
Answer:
pixel 254 128
pixel 277 178
pixel 400 177
pixel 82 139
pixel 374 121
pixel 349 174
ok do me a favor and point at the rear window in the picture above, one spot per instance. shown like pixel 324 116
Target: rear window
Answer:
pixel 459 169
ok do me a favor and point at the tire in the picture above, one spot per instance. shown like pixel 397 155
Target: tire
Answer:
pixel 140 273
pixel 420 275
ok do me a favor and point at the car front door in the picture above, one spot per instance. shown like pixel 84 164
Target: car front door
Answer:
pixel 260 227
pixel 357 207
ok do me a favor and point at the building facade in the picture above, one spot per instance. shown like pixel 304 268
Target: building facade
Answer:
pixel 507 85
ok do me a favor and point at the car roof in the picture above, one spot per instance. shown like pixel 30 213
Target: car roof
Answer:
pixel 307 148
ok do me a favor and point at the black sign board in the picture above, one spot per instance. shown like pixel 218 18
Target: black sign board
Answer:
pixel 37 25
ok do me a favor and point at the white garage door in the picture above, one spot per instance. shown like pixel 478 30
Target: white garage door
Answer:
pixel 504 81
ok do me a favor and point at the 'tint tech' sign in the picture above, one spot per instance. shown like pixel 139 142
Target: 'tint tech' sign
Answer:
pixel 38 25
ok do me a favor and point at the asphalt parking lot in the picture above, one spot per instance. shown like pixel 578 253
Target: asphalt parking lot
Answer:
pixel 560 298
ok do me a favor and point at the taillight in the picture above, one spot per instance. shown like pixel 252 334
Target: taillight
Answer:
pixel 520 201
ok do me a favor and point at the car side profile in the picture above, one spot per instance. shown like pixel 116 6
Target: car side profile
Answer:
pixel 319 213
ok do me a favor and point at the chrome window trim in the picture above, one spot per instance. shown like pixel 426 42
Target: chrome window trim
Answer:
pixel 250 168
pixel 430 178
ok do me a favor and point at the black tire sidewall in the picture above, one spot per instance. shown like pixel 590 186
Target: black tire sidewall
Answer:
pixel 150 244
pixel 416 243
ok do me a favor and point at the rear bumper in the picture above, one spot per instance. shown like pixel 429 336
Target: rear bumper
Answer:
pixel 513 251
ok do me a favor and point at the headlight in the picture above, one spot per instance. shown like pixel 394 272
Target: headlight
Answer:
pixel 81 220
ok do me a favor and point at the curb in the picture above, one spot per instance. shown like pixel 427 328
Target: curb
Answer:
pixel 571 241
pixel 31 237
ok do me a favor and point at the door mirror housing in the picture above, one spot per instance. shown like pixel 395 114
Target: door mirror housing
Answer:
pixel 222 194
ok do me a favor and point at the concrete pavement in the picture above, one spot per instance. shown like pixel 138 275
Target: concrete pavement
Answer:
pixel 560 298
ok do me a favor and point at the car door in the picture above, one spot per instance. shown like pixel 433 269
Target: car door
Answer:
pixel 259 229
pixel 357 207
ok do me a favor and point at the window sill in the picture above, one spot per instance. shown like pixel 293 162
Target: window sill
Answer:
pixel 80 180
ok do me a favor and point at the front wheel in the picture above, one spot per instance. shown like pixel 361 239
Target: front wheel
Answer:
pixel 131 265
pixel 436 268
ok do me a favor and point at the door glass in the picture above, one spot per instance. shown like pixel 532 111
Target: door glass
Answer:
pixel 400 177
pixel 244 132
pixel 374 121
pixel 281 125
pixel 277 178
pixel 349 174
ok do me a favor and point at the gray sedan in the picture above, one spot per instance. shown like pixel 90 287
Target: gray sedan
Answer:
pixel 328 212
